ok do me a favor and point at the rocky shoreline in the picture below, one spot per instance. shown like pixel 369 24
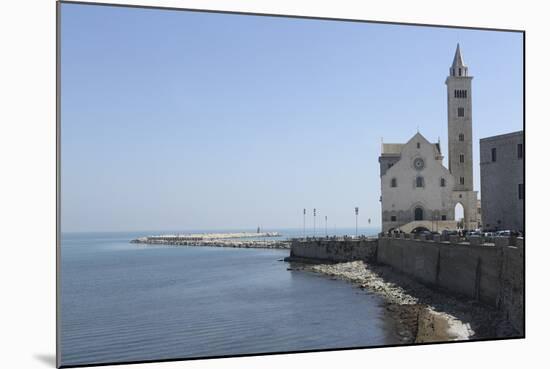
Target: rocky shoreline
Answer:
pixel 422 314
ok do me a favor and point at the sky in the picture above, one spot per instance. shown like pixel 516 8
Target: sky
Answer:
pixel 187 121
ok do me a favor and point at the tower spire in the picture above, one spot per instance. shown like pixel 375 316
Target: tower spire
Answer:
pixel 457 61
pixel 458 69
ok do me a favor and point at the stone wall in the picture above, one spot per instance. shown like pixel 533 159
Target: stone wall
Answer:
pixel 512 290
pixel 335 250
pixel 489 273
pixel 469 270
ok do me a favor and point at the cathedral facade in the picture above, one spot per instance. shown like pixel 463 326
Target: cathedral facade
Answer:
pixel 418 191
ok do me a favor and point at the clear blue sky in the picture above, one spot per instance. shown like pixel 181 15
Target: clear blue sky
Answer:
pixel 183 120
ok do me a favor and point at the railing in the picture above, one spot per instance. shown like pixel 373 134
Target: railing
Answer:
pixel 334 238
pixel 457 239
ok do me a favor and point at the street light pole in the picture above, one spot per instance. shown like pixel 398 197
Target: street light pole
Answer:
pixel 304 223
pixel 314 215
pixel 356 219
pixel 326 231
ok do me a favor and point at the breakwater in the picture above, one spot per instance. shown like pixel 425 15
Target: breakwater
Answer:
pixel 491 273
pixel 235 240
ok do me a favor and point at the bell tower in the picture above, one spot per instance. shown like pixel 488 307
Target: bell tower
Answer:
pixel 459 123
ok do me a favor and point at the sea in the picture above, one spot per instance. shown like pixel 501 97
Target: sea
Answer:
pixel 125 302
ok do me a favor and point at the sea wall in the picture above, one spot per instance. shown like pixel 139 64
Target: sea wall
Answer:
pixel 491 273
pixel 334 250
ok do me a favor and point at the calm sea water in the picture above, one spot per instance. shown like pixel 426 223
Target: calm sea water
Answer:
pixel 128 302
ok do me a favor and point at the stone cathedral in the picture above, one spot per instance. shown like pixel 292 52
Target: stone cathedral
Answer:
pixel 418 191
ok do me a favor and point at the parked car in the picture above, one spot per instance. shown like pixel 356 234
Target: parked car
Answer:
pixel 446 233
pixel 420 231
pixel 505 233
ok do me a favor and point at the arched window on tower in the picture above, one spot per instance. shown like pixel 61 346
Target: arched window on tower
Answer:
pixel 461 137
pixel 419 182
pixel 394 182
pixel 461 158
pixel 443 183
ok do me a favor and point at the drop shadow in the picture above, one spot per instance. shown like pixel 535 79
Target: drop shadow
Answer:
pixel 48 359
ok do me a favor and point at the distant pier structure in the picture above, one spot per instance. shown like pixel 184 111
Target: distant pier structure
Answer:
pixel 237 240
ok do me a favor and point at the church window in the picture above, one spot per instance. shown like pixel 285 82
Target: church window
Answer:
pixel 394 182
pixel 459 72
pixel 461 158
pixel 419 181
pixel 494 154
pixel 461 137
pixel 520 151
pixel 442 182
pixel 418 145
pixel 393 218
pixel 520 191
pixel 461 180
pixel 418 214
pixel 465 94
pixel 460 112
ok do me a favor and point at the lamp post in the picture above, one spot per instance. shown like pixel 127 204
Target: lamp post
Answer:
pixel 314 215
pixel 326 231
pixel 356 219
pixel 304 223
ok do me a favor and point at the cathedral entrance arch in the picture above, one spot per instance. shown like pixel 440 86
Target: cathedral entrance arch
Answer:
pixel 418 213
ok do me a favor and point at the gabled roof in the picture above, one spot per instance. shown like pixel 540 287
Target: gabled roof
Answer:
pixel 396 148
pixel 418 134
